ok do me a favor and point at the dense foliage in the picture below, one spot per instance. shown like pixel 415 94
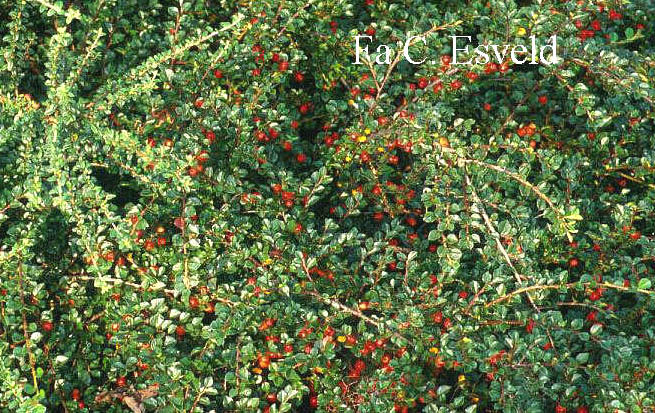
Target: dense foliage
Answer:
pixel 206 206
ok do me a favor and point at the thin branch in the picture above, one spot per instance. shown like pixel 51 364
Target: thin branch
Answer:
pixel 494 233
pixel 117 281
pixel 344 308
pixel 28 342
pixel 565 286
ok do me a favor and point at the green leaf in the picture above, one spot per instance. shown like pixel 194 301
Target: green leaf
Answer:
pixel 596 329
pixel 582 357
pixel 644 284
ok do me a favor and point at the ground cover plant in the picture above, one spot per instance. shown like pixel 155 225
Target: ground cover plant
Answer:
pixel 205 205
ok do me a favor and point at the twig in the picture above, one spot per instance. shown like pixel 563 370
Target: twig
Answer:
pixel 336 304
pixel 295 15
pixel 523 182
pixel 399 57
pixel 494 233
pixel 117 281
pixel 565 286
pixel 28 342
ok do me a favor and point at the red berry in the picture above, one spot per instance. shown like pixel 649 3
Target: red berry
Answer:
pixel 218 74
pixel 596 294
pixel 149 245
pixel 109 256
pixel 76 395
pixel 615 16
pixel 574 262
pixel 121 381
pixel 180 331
pixel 194 302
pixel 313 401
pixel 529 326
pixel 437 317
pixel 543 99
pixel 359 365
pixel 491 67
pixel 179 222
pixel 264 362
pixel 47 326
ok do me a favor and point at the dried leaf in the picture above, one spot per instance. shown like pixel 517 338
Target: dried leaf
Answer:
pixel 132 398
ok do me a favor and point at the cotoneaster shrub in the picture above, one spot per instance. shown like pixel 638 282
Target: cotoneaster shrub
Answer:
pixel 206 206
